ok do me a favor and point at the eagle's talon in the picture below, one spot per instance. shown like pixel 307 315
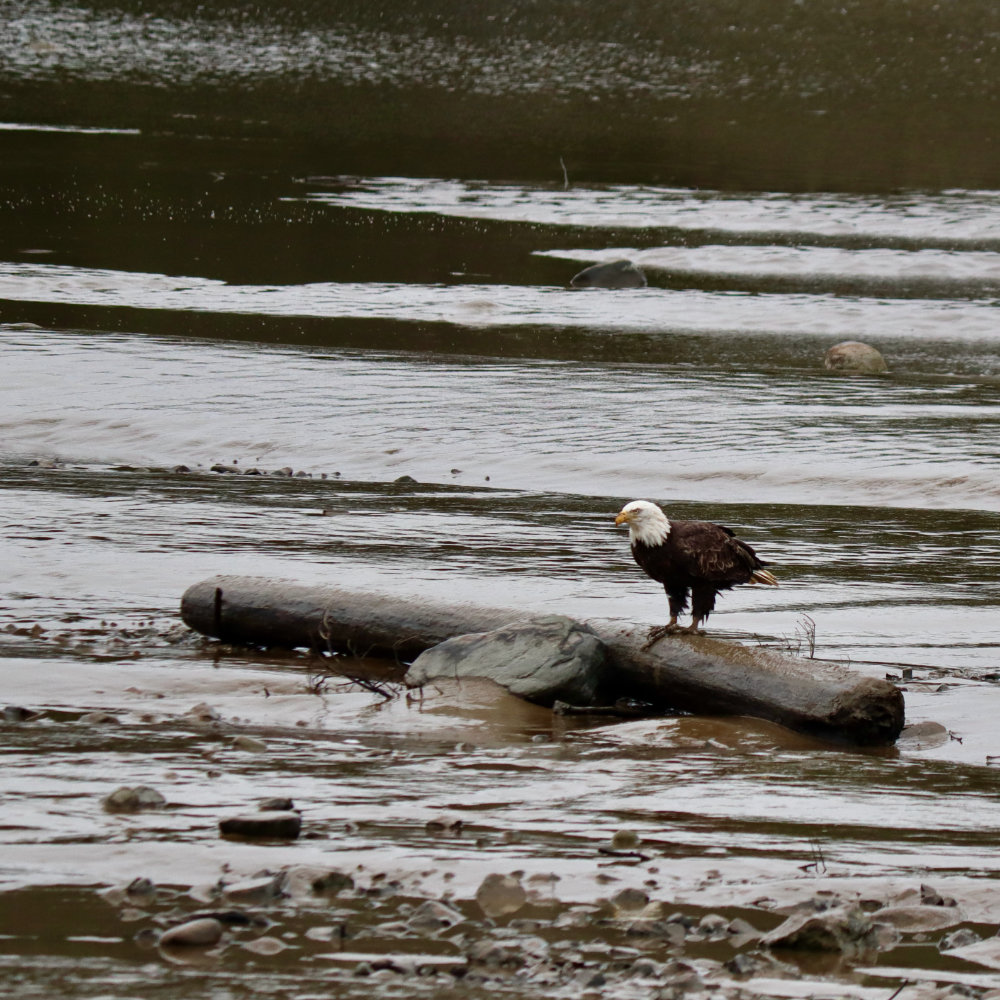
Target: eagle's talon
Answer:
pixel 658 632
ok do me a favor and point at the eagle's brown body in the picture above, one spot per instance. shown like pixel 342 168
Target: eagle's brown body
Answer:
pixel 699 558
pixel 695 558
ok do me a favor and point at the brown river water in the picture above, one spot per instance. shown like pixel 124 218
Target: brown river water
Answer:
pixel 337 240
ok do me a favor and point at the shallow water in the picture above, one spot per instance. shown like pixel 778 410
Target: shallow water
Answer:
pixel 201 265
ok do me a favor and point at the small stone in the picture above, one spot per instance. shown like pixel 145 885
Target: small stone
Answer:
pixel 741 964
pixel 491 953
pixel 929 896
pixel 405 481
pixel 917 919
pixel 98 719
pixel 276 805
pixel 712 924
pixel 960 938
pixel 200 933
pixel 500 895
pixel 140 889
pixel 181 468
pixel 256 892
pixel 331 883
pixel 265 946
pixel 630 899
pixel 203 713
pixel 363 969
pixel 276 825
pixel 130 800
pixel 742 930
pixel 444 824
pixel 286 471
pixel 249 744
pixel 17 713
pixel 434 916
pixel 854 357
pixel 624 840
pixel 218 467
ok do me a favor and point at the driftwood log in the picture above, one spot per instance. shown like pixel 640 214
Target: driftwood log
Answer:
pixel 696 674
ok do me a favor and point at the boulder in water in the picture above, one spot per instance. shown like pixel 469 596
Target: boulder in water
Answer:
pixel 549 658
pixel 617 274
pixel 855 357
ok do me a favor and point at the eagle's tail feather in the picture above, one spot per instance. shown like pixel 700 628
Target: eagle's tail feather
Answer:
pixel 764 576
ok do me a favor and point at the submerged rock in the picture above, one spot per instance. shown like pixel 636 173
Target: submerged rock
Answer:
pixel 203 932
pixel 263 825
pixel 854 356
pixel 616 274
pixel 552 657
pixel 130 800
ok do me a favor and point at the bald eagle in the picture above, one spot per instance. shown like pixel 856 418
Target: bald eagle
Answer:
pixel 689 557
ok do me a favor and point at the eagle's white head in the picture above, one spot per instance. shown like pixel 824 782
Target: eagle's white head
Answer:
pixel 646 522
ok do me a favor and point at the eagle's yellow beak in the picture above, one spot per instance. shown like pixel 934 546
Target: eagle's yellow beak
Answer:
pixel 624 517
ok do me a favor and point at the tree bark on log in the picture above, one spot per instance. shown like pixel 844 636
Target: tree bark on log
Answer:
pixel 696 674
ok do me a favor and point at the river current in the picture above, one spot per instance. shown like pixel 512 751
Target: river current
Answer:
pixel 378 319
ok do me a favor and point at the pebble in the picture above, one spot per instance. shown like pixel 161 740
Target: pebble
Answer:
pixel 203 713
pixel 16 713
pixel 434 916
pixel 624 840
pixel 98 719
pixel 256 892
pixel 265 946
pixel 276 825
pixel 444 824
pixel 203 932
pixel 130 800
pixel 277 805
pixel 250 744
pixel 630 899
pixel 500 895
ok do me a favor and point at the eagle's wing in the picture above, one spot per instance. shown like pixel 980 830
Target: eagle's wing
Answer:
pixel 714 554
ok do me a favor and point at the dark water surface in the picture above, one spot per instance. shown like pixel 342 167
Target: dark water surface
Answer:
pixel 337 239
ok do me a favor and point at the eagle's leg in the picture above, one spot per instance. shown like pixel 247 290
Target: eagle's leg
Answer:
pixel 678 602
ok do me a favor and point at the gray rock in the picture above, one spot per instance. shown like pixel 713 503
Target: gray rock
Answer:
pixel 257 891
pixel 263 825
pixel 249 743
pixel 130 800
pixel 552 657
pixel 277 805
pixel 918 919
pixel 433 916
pixel 330 883
pixel 960 938
pixel 616 274
pixel 500 895
pixel 838 929
pixel 202 933
pixel 16 713
pixel 852 356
